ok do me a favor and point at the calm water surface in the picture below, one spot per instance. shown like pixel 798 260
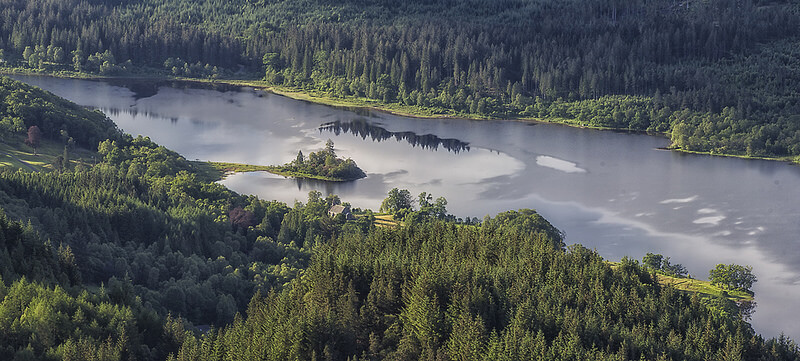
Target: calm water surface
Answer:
pixel 610 191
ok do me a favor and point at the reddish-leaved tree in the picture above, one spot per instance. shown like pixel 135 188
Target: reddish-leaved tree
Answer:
pixel 34 138
pixel 242 218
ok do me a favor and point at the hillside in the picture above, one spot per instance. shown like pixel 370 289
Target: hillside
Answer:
pixel 715 76
pixel 23 106
pixel 131 258
pixel 503 290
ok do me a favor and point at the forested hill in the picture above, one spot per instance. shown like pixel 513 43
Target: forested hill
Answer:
pixel 504 290
pixel 138 258
pixel 23 106
pixel 717 76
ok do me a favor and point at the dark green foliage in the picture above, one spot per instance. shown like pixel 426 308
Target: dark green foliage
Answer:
pixel 23 106
pixel 648 66
pixel 39 321
pixel 141 222
pixel 145 218
pixel 653 260
pixel 22 253
pixel 732 276
pixel 323 164
pixel 659 263
pixel 716 76
pixel 399 204
pixel 504 290
pixel 397 200
pixel 101 36
pixel 432 208
pixel 159 239
pixel 46 323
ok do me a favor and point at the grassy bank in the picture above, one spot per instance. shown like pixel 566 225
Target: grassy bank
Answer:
pixel 386 220
pixel 215 171
pixel 143 73
pixel 285 173
pixel 16 154
pixel 703 288
pixel 789 159
pixel 298 94
pixel 238 167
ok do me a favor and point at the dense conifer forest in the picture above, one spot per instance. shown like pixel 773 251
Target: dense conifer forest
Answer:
pixel 716 76
pixel 139 258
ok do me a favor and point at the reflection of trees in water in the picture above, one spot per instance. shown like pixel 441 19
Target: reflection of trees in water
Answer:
pixel 326 187
pixel 747 309
pixel 133 111
pixel 364 129
pixel 145 88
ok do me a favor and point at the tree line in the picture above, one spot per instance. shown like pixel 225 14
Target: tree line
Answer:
pixel 698 71
pixel 85 35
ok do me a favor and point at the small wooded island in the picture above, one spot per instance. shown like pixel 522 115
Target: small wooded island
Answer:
pixel 323 165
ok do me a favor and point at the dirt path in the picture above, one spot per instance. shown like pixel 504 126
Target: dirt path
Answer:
pixel 26 164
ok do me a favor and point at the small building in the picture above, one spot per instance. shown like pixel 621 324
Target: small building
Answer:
pixel 340 209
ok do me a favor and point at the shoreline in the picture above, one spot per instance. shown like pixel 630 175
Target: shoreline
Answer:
pixel 297 175
pixel 370 105
pixel 786 159
pixel 243 168
pixel 217 171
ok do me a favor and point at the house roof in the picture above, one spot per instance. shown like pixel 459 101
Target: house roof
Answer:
pixel 338 209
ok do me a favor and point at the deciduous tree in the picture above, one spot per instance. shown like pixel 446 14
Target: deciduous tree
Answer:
pixel 34 138
pixel 398 199
pixel 733 276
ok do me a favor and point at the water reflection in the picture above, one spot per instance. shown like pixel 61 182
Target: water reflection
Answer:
pixel 610 191
pixel 145 88
pixel 363 128
pixel 134 112
pixel 306 185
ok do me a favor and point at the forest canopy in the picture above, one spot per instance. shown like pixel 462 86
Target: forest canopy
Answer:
pixel 138 257
pixel 715 76
pixel 23 106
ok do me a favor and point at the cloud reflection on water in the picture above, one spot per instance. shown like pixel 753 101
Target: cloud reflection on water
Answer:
pixel 698 210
